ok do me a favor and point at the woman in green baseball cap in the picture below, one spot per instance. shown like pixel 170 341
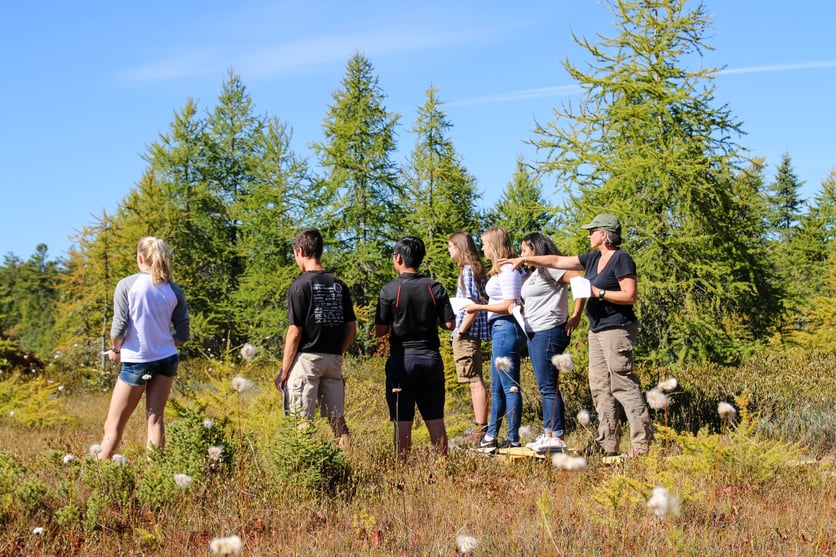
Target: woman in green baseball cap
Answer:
pixel 613 328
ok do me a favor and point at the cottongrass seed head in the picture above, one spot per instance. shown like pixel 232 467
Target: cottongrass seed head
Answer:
pixel 95 449
pixel 667 385
pixel 119 459
pixel 503 363
pixel 662 503
pixel 583 418
pixel 240 384
pixel 465 545
pixel 656 399
pixel 69 457
pixel 525 432
pixel 569 463
pixel 726 411
pixel 182 480
pixel 230 545
pixel 563 362
pixel 38 530
pixel 147 377
pixel 215 452
pixel 208 423
pixel 247 352
pixel 514 389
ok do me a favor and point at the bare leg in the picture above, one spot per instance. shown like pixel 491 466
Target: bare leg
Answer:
pixel 123 402
pixel 340 429
pixel 155 400
pixel 438 435
pixel 480 401
pixel 403 439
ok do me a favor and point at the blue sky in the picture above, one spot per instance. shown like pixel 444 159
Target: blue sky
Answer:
pixel 89 85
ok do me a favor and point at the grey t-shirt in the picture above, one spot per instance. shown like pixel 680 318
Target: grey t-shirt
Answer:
pixel 545 301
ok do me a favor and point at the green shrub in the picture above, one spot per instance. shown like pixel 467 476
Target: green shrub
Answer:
pixel 300 459
pixel 31 494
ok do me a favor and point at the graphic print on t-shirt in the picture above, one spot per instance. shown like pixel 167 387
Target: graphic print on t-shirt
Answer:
pixel 327 303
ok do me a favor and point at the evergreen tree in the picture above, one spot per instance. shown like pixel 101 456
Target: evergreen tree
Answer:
pixel 274 209
pixel 522 209
pixel 438 188
pixel 28 294
pixel 361 181
pixel 811 258
pixel 234 143
pixel 9 312
pixel 85 307
pixel 785 203
pixel 647 144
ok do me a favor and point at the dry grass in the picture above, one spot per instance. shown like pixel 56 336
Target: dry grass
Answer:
pixel 525 507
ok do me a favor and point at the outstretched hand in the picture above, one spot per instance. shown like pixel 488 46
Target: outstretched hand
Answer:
pixel 516 262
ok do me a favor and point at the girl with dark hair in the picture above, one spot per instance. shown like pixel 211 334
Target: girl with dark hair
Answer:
pixel 545 298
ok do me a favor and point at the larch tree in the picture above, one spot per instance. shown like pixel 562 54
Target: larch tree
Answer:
pixel 273 210
pixel 360 181
pixel 521 209
pixel 439 189
pixel 647 143
pixel 85 305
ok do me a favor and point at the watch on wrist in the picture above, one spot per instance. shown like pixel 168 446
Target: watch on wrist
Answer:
pixel 601 293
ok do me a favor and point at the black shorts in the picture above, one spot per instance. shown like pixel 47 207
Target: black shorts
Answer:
pixel 420 378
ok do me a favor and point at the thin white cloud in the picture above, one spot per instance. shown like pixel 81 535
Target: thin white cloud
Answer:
pixel 780 67
pixel 286 57
pixel 289 56
pixel 525 94
pixel 562 90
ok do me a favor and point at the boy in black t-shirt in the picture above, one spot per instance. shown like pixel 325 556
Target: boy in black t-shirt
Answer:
pixel 410 310
pixel 321 327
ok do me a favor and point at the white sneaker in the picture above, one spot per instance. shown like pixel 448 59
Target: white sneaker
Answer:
pixel 550 444
pixel 536 443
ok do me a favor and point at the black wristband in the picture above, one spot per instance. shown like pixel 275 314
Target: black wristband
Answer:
pixel 115 350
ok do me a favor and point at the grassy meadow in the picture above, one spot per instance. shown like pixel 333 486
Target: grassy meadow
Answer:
pixel 761 481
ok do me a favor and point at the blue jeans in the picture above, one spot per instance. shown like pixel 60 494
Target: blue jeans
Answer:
pixel 542 346
pixel 507 341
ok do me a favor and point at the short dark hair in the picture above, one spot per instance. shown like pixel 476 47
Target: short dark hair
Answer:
pixel 310 240
pixel 412 250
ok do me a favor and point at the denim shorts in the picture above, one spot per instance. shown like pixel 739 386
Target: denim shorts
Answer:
pixel 133 373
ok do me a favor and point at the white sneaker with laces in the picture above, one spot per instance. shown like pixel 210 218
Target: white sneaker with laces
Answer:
pixel 551 444
pixel 536 443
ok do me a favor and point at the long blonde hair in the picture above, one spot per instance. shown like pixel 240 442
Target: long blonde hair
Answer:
pixel 156 253
pixel 500 244
pixel 468 255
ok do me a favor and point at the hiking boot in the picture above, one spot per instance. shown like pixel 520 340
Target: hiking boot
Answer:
pixel 472 436
pixel 487 447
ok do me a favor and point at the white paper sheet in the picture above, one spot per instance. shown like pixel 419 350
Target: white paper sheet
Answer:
pixel 581 287
pixel 460 303
pixel 516 311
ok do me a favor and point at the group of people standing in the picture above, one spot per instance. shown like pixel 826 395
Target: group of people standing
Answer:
pixel 504 305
